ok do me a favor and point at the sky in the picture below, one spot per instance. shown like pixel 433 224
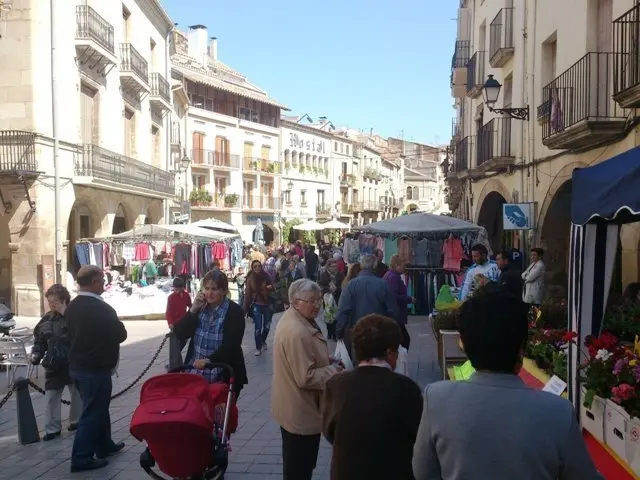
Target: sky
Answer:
pixel 364 64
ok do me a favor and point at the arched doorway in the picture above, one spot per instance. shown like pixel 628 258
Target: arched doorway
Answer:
pixel 120 221
pixel 267 233
pixel 555 235
pixel 490 217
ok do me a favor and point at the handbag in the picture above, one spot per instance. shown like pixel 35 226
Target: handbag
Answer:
pixel 56 356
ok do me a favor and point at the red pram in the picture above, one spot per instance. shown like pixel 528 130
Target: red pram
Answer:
pixel 186 423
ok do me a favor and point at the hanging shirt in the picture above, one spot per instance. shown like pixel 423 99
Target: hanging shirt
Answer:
pixel 92 255
pixel 453 253
pixel 404 249
pixel 420 248
pixel 367 243
pixel 351 250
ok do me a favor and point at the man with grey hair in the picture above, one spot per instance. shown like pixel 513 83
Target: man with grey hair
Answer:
pixel 364 295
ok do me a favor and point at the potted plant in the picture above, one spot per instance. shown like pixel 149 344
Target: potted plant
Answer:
pixel 315 170
pixel 303 169
pixel 231 199
pixel 287 166
pixel 200 197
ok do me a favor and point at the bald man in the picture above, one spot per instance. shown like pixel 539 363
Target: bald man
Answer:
pixel 95 334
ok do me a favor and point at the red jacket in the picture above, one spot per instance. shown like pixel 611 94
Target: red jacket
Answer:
pixel 178 304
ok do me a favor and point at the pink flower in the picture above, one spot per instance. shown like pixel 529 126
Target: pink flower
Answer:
pixel 622 392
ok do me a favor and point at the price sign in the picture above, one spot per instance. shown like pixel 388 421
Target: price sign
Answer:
pixel 555 385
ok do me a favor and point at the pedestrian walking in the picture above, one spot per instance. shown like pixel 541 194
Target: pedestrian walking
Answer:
pixel 51 348
pixel 95 335
pixel 257 304
pixel 371 414
pixel 301 368
pixel 393 277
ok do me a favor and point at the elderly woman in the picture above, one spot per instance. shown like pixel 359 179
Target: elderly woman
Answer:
pixel 371 414
pixel 51 343
pixel 301 368
pixel 215 326
pixel 393 277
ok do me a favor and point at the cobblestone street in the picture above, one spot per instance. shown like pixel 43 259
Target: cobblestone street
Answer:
pixel 256 445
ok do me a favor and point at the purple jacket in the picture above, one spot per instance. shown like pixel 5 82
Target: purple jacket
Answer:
pixel 397 286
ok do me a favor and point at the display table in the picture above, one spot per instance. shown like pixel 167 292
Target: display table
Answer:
pixel 607 462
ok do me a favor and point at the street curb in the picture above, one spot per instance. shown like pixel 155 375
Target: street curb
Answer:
pixel 150 317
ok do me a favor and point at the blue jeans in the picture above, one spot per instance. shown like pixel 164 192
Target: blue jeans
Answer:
pixel 261 315
pixel 94 427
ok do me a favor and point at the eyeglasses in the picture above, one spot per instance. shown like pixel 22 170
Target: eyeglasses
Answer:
pixel 317 303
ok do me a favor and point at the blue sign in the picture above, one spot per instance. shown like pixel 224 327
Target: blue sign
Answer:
pixel 264 218
pixel 518 216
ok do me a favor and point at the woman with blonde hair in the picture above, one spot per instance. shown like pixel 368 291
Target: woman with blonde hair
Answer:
pixel 393 277
pixel 353 272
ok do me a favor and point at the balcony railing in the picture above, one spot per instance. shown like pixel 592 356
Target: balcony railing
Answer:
pixel 261 203
pixel 323 209
pixel 219 200
pixel 103 164
pixel 501 38
pixel 464 154
pixel 160 87
pixel 626 43
pixel 582 110
pixel 475 74
pixel 17 151
pixel 260 165
pixel 461 54
pixel 493 142
pixel 91 26
pixel 214 159
pixel 131 61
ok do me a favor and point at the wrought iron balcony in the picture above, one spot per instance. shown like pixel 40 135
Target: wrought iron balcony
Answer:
pixel 626 63
pixel 461 55
pixel 260 165
pixel 582 110
pixel 95 42
pixel 211 158
pixel 97 166
pixel 501 45
pixel 134 70
pixel 464 156
pixel 323 210
pixel 493 144
pixel 261 203
pixel 160 92
pixel 475 74
pixel 17 152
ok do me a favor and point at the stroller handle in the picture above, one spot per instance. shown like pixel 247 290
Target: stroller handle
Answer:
pixel 208 366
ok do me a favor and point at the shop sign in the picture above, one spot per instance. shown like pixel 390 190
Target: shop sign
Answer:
pixel 305 143
pixel 518 216
pixel 263 218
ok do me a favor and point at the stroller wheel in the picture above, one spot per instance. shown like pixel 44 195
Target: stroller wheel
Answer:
pixel 147 462
pixel 221 459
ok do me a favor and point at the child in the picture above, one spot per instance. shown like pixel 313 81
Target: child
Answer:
pixel 178 303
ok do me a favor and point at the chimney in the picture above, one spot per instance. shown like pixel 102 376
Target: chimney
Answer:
pixel 213 48
pixel 197 42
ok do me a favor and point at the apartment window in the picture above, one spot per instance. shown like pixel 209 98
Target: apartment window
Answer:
pixel 286 196
pixel 247 194
pixel 320 197
pixel 335 146
pixel 341 147
pixel 549 59
pixel 85 225
pixel 249 115
pixel 416 193
pixel 126 15
pixel 88 114
pixel 129 133
pixel 248 150
pixel 222 157
pixel 303 198
pixel 197 143
pixel 508 91
pixel 220 185
pixel 344 169
pixel 347 149
pixel 265 152
pixel 199 181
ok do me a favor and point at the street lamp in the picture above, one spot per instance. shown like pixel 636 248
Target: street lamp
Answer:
pixel 290 185
pixel 184 164
pixel 491 91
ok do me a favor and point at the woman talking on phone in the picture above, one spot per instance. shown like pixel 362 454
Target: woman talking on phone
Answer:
pixel 215 326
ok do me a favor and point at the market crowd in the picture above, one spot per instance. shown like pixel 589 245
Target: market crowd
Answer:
pixel 379 422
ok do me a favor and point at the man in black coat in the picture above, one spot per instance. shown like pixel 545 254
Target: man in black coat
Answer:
pixel 510 277
pixel 95 335
pixel 311 262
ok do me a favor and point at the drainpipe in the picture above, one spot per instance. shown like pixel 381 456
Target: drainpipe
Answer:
pixel 167 121
pixel 56 147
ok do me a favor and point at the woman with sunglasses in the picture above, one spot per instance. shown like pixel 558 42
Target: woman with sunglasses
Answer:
pixel 215 326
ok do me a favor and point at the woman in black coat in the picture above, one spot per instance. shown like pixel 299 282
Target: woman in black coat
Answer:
pixel 215 326
pixel 50 335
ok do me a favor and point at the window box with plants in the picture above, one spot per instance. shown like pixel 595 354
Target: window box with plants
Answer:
pixel 200 197
pixel 231 199
pixel 303 169
pixel 315 170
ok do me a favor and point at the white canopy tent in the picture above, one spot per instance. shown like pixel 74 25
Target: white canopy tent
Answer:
pixel 335 225
pixel 308 226
pixel 214 223
pixel 167 231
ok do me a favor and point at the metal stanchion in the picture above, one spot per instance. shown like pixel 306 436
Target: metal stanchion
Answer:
pixel 27 425
pixel 175 352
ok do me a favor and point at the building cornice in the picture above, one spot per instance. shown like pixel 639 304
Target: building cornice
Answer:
pixel 305 128
pixel 157 15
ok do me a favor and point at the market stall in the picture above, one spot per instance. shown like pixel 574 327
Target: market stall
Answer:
pixel 604 197
pixel 432 245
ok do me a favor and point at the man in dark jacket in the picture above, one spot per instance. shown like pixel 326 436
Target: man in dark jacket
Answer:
pixel 381 267
pixel 95 335
pixel 510 278
pixel 311 262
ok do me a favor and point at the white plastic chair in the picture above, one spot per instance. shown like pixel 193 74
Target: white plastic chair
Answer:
pixel 14 353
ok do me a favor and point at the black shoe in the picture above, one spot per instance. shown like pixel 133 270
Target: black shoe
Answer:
pixel 92 464
pixel 117 448
pixel 50 436
pixel 72 427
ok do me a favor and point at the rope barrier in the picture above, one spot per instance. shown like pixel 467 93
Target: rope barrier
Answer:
pixel 37 388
